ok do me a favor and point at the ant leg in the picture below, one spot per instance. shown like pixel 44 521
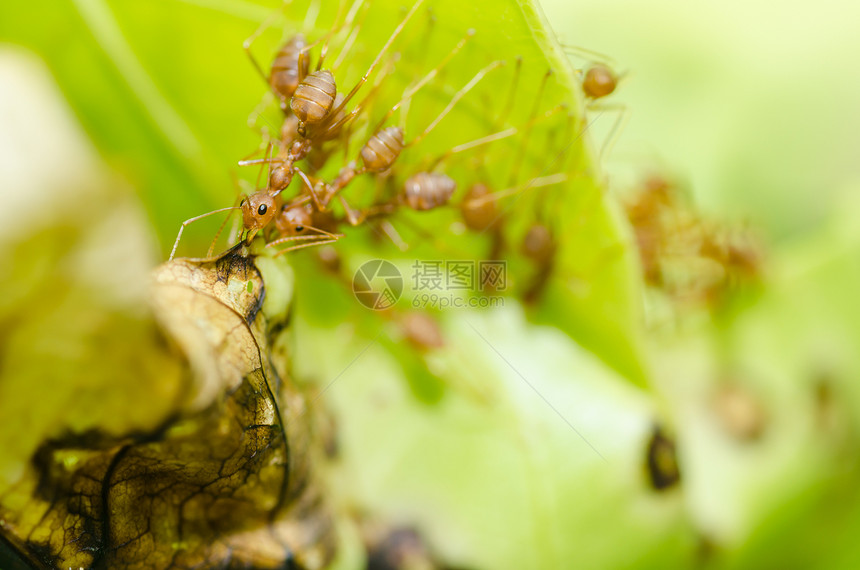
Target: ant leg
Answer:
pixel 503 115
pixel 376 61
pixel 346 175
pixel 266 24
pixel 264 143
pixel 253 161
pixel 347 23
pixel 311 15
pixel 354 217
pixel 336 26
pixel 539 182
pixel 470 145
pixel 410 92
pixel 416 52
pixel 269 150
pixel 319 204
pixel 339 124
pixel 515 170
pixel 271 159
pixel 191 221
pixel 391 233
pixel 569 126
pixel 623 116
pixel 311 244
pixel 455 99
pixel 235 233
pixel 588 54
pixel 246 45
pixel 257 111
pixel 509 132
pixel 350 39
pixel 285 239
pixel 303 57
pixel 433 239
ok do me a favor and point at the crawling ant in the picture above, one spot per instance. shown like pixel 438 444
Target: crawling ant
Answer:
pixel 313 101
pixel 318 110
pixel 378 154
pixel 718 260
pixel 423 190
pixel 599 81
pixel 539 246
pixel 266 212
pixel 427 190
pixel 291 63
pixel 287 67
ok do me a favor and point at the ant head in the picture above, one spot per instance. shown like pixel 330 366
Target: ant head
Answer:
pixel 294 220
pixel 599 81
pixel 258 209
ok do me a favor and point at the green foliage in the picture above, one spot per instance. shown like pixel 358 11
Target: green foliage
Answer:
pixel 516 444
pixel 164 89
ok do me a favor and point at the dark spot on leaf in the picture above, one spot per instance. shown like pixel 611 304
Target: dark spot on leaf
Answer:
pixel 661 461
pixel 251 315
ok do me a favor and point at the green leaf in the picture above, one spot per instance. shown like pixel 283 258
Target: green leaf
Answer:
pixel 165 90
pixel 518 466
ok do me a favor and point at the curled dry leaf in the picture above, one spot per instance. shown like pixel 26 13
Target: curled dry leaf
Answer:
pixel 224 480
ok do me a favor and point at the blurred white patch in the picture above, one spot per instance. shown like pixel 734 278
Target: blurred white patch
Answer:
pixel 52 176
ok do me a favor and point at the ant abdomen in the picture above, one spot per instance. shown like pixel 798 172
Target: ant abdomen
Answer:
pixel 286 71
pixel 538 244
pixel 599 81
pixel 478 208
pixel 428 190
pixel 382 149
pixel 422 331
pixel 314 97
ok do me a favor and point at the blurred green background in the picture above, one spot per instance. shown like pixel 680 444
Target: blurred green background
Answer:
pixel 755 104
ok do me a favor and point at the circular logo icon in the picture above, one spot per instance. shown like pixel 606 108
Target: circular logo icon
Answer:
pixel 377 284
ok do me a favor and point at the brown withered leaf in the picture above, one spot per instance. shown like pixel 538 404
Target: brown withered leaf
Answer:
pixel 224 481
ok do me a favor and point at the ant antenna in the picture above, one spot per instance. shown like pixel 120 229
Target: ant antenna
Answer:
pixel 191 221
pixel 236 204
